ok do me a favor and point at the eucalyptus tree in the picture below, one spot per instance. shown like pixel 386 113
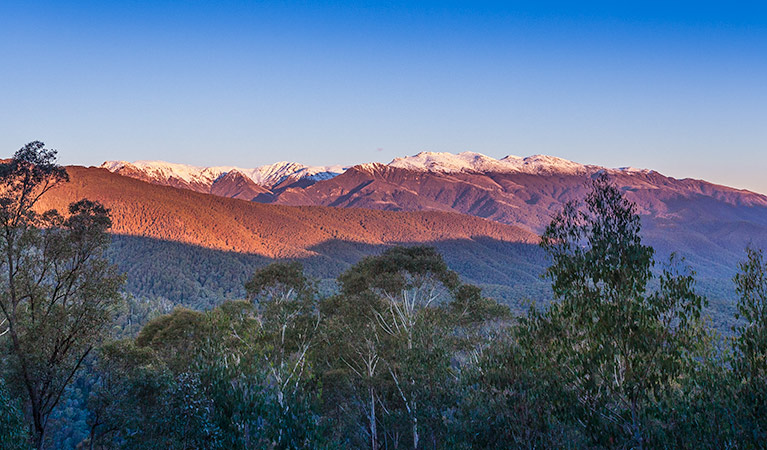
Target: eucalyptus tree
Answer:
pixel 750 344
pixel 287 311
pixel 413 318
pixel 615 344
pixel 351 351
pixel 57 290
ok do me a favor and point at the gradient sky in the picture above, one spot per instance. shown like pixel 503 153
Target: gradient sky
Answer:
pixel 673 86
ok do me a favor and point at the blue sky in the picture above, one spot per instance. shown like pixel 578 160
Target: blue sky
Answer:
pixel 673 86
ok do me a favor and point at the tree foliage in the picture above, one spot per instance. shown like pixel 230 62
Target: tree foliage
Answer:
pixel 57 291
pixel 750 344
pixel 616 346
pixel 396 338
pixel 237 376
pixel 13 432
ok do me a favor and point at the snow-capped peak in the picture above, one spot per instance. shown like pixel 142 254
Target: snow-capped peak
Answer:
pixel 543 164
pixel 477 162
pixel 268 175
pixel 273 174
pixel 114 165
pixel 448 162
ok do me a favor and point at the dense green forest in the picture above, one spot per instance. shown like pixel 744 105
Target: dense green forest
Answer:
pixel 399 352
pixel 202 278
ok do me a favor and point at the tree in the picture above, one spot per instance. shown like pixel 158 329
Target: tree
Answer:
pixel 504 402
pixel 202 380
pixel 129 396
pixel 750 343
pixel 351 352
pixel 288 315
pixel 57 291
pixel 397 330
pixel 615 345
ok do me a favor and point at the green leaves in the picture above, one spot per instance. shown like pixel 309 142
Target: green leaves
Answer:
pixel 57 291
pixel 395 340
pixel 612 344
pixel 750 343
pixel 13 432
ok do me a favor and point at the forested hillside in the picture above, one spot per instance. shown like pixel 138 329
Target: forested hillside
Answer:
pixel 196 249
pixel 705 223
pixel 199 277
pixel 151 220
pixel 142 209
pixel 400 352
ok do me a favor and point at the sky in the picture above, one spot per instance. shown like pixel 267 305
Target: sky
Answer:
pixel 677 87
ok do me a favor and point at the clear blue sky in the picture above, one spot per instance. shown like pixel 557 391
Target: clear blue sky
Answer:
pixel 676 87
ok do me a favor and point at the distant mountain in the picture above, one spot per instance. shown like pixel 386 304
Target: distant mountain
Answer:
pixel 471 162
pixel 234 184
pixel 276 231
pixel 273 179
pixel 526 197
pixel 512 190
pixel 198 249
pixel 708 224
pixel 204 179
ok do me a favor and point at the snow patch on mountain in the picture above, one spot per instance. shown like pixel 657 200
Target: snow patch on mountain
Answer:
pixel 271 175
pixel 268 175
pixel 163 171
pixel 274 174
pixel 477 162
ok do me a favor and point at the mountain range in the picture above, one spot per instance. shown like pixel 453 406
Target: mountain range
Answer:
pixel 485 214
pixel 708 223
pixel 197 249
pixel 274 231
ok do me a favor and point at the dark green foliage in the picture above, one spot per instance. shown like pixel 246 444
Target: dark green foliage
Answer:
pixel 613 345
pixel 202 278
pixel 750 344
pixel 13 431
pixel 751 341
pixel 392 271
pixel 395 341
pixel 455 368
pixel 58 293
pixel 506 403
pixel 237 376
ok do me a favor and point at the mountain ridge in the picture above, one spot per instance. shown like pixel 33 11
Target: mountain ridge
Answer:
pixel 163 212
pixel 366 209
pixel 708 224
pixel 282 175
pixel 198 249
pixel 196 177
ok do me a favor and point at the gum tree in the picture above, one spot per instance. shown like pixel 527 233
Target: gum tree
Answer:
pixel 57 291
pixel 615 344
pixel 750 344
